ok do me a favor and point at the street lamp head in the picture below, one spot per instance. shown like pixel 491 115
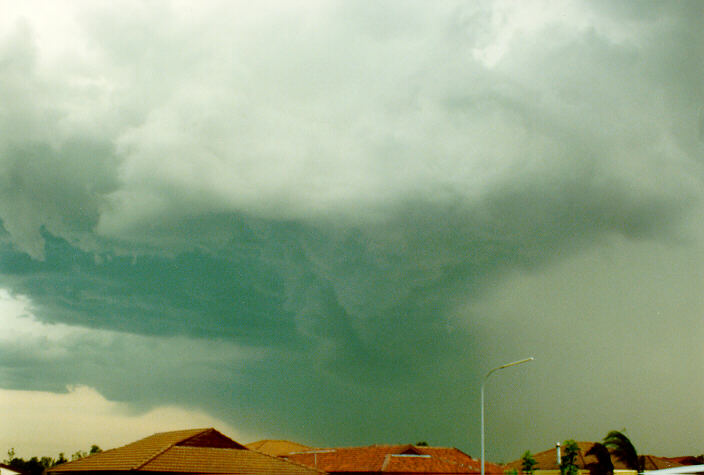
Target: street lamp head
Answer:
pixel 525 360
pixel 507 365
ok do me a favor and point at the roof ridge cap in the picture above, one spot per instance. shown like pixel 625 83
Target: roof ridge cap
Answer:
pixel 164 449
pixel 195 447
pixel 284 458
pixel 384 465
pixel 438 447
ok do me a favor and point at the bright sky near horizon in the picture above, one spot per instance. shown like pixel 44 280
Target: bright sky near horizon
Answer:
pixel 325 221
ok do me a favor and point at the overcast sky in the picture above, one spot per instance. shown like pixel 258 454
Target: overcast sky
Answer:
pixel 326 221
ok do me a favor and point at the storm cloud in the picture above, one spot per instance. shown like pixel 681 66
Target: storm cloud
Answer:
pixel 307 219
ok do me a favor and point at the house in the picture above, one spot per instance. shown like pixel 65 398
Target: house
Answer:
pixel 398 459
pixel 7 470
pixel 651 462
pixel 688 459
pixel 547 463
pixel 277 447
pixel 681 470
pixel 194 451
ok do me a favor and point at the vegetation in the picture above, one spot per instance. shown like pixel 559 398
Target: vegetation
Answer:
pixel 37 465
pixel 79 454
pixel 621 447
pixel 528 463
pixel 569 459
pixel 603 464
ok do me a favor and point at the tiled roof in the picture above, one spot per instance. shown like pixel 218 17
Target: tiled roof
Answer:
pixel 420 464
pixel 547 460
pixel 277 447
pixel 186 451
pixel 392 458
pixel 688 459
pixel 209 460
pixel 131 456
pixel 651 462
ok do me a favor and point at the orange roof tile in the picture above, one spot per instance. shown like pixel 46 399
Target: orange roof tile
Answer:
pixel 392 458
pixel 212 460
pixel 130 456
pixel 277 447
pixel 688 459
pixel 651 462
pixel 395 463
pixel 186 451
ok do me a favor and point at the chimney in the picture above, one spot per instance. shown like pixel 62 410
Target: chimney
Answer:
pixel 559 456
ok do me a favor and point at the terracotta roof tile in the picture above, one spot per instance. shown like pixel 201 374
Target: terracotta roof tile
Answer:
pixel 392 458
pixel 687 459
pixel 420 464
pixel 277 447
pixel 658 463
pixel 186 451
pixel 213 460
pixel 130 456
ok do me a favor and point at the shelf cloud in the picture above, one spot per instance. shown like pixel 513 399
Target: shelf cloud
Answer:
pixel 306 219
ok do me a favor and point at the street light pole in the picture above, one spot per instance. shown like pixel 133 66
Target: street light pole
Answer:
pixel 526 360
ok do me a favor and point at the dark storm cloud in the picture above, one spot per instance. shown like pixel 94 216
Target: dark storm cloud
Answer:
pixel 329 186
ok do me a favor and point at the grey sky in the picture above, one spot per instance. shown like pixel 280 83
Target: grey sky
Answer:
pixel 325 221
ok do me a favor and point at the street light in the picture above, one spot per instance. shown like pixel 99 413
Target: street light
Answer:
pixel 503 366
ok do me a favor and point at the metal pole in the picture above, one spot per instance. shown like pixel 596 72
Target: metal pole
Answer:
pixel 482 398
pixel 514 363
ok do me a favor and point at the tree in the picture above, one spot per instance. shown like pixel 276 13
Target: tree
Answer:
pixel 33 466
pixel 569 459
pixel 528 463
pixel 79 454
pixel 37 466
pixel 621 447
pixel 603 464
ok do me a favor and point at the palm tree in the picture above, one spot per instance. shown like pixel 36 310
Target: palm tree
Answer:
pixel 528 463
pixel 568 466
pixel 621 447
pixel 603 464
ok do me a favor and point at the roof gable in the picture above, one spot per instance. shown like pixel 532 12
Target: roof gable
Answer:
pixel 410 450
pixel 131 456
pixel 277 447
pixel 186 459
pixel 211 438
pixel 187 451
